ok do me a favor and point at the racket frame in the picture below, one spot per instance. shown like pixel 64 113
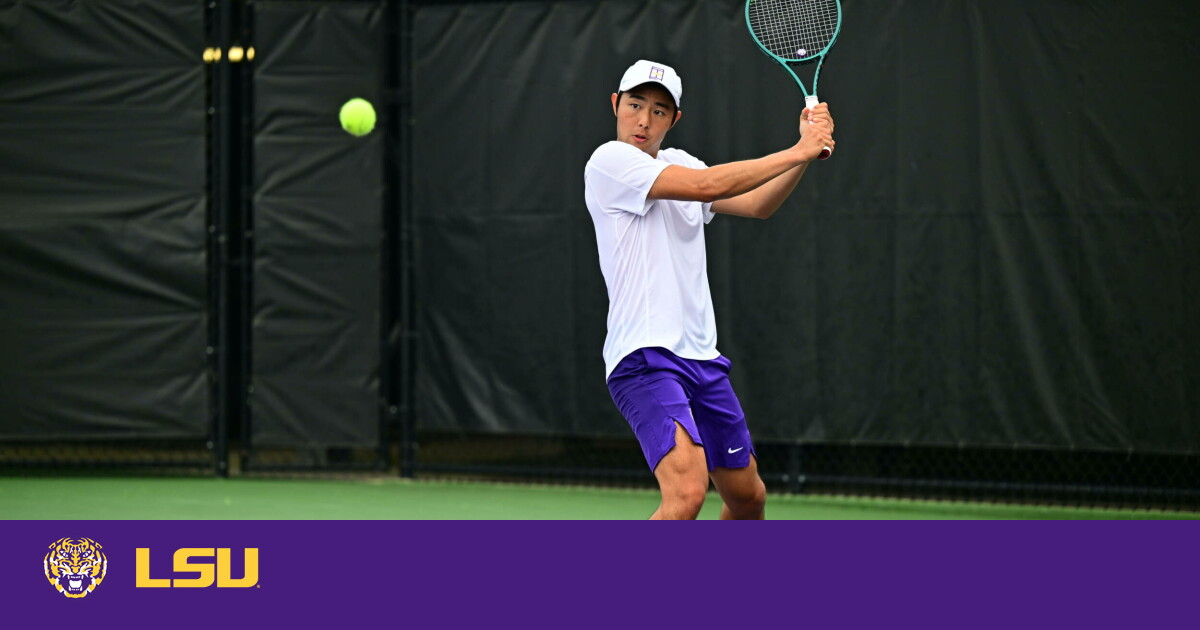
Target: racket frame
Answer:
pixel 786 63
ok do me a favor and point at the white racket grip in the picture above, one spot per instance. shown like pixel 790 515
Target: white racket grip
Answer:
pixel 811 102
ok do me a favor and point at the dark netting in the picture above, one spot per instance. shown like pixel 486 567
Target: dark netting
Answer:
pixel 141 456
pixel 566 459
pixel 317 214
pixel 1120 480
pixel 316 458
pixel 1036 476
pixel 106 352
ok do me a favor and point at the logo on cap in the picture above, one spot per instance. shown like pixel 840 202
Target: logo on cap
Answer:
pixel 656 73
pixel 75 566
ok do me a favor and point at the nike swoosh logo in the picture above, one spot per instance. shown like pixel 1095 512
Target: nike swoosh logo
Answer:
pixel 734 450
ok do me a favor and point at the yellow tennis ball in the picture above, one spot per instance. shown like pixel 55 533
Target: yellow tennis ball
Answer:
pixel 358 117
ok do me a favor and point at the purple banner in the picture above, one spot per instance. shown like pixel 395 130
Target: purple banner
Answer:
pixel 309 574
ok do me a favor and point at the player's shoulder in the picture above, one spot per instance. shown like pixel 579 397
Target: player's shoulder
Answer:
pixel 681 157
pixel 614 149
pixel 614 157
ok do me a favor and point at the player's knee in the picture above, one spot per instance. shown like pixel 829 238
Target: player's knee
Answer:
pixel 695 494
pixel 692 503
pixel 689 497
pixel 751 500
pixel 758 498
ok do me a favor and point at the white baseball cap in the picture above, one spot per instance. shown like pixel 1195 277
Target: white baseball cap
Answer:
pixel 653 72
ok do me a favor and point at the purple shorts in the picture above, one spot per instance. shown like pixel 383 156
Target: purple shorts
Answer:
pixel 654 389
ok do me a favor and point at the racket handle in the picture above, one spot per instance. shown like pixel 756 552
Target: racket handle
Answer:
pixel 811 102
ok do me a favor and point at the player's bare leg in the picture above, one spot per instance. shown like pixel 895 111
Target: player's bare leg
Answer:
pixel 682 478
pixel 743 492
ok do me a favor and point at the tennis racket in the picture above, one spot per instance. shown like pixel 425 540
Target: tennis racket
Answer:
pixel 798 32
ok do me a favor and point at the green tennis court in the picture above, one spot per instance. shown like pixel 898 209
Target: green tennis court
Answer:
pixel 105 498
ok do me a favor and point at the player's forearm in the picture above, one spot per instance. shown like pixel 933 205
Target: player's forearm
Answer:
pixel 770 196
pixel 763 201
pixel 723 181
pixel 735 178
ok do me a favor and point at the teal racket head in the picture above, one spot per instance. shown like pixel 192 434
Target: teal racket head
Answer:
pixel 794 31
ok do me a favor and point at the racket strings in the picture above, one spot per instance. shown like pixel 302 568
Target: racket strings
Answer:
pixel 794 30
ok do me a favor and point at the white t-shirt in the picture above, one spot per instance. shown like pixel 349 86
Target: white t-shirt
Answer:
pixel 652 256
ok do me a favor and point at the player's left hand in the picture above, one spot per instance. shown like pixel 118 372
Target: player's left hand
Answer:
pixel 818 115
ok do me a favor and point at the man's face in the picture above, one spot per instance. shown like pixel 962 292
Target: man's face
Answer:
pixel 644 115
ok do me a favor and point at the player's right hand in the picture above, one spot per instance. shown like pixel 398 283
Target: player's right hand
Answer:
pixel 814 141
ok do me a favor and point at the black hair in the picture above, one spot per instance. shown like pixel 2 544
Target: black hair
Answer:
pixel 673 119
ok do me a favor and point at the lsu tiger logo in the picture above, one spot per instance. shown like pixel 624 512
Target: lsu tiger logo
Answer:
pixel 75 566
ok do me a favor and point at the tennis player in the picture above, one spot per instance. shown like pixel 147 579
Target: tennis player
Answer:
pixel 649 206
